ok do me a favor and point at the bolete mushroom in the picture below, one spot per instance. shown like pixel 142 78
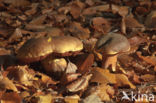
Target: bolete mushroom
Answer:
pixel 66 45
pixel 110 46
pixel 50 47
pixel 36 49
pixel 54 65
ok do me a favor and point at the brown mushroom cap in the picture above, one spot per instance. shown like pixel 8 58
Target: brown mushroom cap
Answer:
pixel 112 43
pixel 52 64
pixel 65 44
pixel 35 49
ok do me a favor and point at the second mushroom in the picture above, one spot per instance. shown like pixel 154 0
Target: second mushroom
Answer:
pixel 110 45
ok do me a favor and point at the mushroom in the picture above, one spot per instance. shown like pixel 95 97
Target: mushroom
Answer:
pixel 110 46
pixel 53 49
pixel 37 49
pixel 66 45
pixel 54 65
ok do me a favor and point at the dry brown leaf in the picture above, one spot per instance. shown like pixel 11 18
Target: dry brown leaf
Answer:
pixel 67 78
pixel 51 31
pixel 46 79
pixel 100 24
pixel 35 27
pixel 5 83
pixel 89 44
pixel 16 35
pixel 133 76
pixel 11 97
pixel 71 68
pixel 75 11
pixel 148 78
pixel 78 31
pixel 17 3
pixel 151 20
pixel 3 51
pixel 123 11
pixel 72 99
pixel 38 20
pixel 93 10
pixel 84 62
pixel 93 98
pixel 79 84
pixel 104 76
pixel 149 59
pixel 131 22
pixel 20 74
pixel 104 91
pixel 42 98
pixel 32 10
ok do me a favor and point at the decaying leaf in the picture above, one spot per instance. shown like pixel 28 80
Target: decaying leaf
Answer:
pixel 104 76
pixel 151 20
pixel 11 97
pixel 20 74
pixel 89 44
pixel 43 98
pixel 95 9
pixel 79 84
pixel 131 23
pixel 71 68
pixel 84 62
pixel 67 78
pixel 101 24
pixel 17 3
pixel 92 99
pixel 5 83
pixel 79 31
pixel 149 59
pixel 46 79
pixel 148 78
pixel 72 99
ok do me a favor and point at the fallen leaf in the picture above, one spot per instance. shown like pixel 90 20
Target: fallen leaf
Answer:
pixel 148 78
pixel 84 62
pixel 16 35
pixel 46 79
pixel 5 83
pixel 72 99
pixel 79 31
pixel 131 22
pixel 104 76
pixel 38 20
pixel 43 98
pixel 101 24
pixel 92 99
pixel 79 84
pixel 11 97
pixel 93 10
pixel 20 74
pixel 89 44
pixel 71 68
pixel 151 20
pixel 103 91
pixel 149 59
pixel 33 9
pixel 17 3
pixel 67 78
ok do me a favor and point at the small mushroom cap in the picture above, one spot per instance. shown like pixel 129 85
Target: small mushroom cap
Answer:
pixel 35 49
pixel 52 64
pixel 112 43
pixel 64 44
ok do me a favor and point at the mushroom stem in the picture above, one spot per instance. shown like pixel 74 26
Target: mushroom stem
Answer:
pixel 108 60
